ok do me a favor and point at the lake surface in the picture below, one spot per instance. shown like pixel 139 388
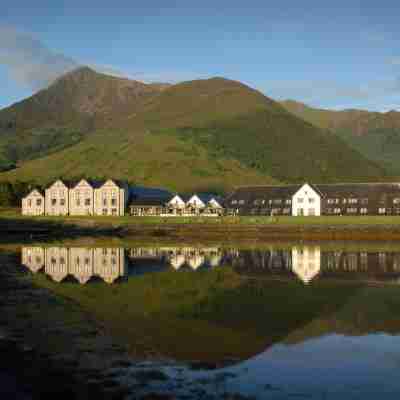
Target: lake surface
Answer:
pixel 274 321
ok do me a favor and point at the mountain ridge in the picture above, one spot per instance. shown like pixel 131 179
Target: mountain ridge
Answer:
pixel 216 128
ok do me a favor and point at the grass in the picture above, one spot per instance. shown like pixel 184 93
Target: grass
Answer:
pixel 12 213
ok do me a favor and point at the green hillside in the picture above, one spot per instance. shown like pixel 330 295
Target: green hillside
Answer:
pixel 373 134
pixel 198 134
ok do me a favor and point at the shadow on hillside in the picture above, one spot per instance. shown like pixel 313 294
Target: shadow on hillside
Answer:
pixel 30 230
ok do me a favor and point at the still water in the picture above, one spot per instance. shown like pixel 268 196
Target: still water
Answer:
pixel 274 321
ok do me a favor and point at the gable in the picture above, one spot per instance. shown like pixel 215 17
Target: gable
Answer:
pixel 307 190
pixel 58 184
pixel 214 203
pixel 83 184
pixel 35 193
pixel 176 201
pixel 196 201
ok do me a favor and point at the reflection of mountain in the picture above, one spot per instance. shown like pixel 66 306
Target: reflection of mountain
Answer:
pixel 78 262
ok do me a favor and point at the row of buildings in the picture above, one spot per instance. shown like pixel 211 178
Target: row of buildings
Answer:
pixel 113 197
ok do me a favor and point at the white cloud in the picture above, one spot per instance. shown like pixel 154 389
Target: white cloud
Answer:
pixel 29 61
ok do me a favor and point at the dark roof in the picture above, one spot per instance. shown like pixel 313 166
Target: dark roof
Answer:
pixel 251 193
pixel 358 190
pixel 146 192
pixel 149 201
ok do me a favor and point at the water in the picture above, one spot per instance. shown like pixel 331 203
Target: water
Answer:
pixel 307 320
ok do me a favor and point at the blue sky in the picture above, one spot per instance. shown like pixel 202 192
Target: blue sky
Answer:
pixel 335 56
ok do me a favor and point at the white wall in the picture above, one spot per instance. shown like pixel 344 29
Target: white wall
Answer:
pixel 306 201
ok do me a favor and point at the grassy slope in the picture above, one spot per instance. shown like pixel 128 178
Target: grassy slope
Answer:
pixel 153 160
pixel 375 135
pixel 205 134
pixel 66 112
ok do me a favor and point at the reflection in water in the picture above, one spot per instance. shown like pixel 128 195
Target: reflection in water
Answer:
pixel 323 341
pixel 79 262
pixel 303 262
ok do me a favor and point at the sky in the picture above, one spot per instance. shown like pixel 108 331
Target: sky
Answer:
pixel 340 55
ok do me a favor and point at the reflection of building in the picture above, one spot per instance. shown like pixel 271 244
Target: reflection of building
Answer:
pixel 306 262
pixel 177 257
pixel 109 263
pixel 57 261
pixel 80 262
pixel 33 258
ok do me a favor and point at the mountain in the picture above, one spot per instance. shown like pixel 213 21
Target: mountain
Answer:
pixel 375 135
pixel 197 135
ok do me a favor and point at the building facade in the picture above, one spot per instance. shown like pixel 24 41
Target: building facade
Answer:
pixel 316 199
pixel 33 204
pixel 81 198
pixel 111 198
pixel 185 206
pixel 57 199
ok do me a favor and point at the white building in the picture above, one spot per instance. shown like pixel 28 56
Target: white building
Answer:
pixel 57 199
pixel 33 204
pixel 306 201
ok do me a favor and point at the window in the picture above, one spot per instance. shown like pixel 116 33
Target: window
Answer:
pixel 234 202
pixel 29 202
pixel 396 201
pixel 329 211
pixel 62 260
pixel 330 201
pixel 300 200
pixel 87 202
pixel 311 211
pixel 352 201
pixel 113 202
pixel 363 210
pixel 311 200
pixel 114 211
pixel 344 201
pixel 336 210
pixel 87 261
pixel 351 210
pixel 364 201
pixel 277 201
pixel 104 211
pixel 381 210
pixel 38 202
pixel 288 201
pixel 78 202
pixel 241 202
pixel 62 202
pixel 104 202
pixel 104 251
pixel 53 202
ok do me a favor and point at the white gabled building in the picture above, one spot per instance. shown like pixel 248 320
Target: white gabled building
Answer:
pixel 81 198
pixel 33 203
pixel 306 201
pixel 57 199
pixel 111 198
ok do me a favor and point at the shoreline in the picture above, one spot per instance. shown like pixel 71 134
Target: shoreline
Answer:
pixel 44 229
